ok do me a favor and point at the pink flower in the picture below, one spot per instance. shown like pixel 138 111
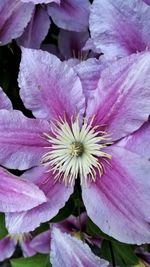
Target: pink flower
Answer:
pixel 79 136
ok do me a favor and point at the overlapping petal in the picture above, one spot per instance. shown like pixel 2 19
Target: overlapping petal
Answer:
pixel 21 140
pixel 120 200
pixel 119 27
pixel 41 1
pixel 37 29
pixel 4 101
pixel 121 101
pixel 14 17
pixel 70 15
pixel 57 194
pixel 89 72
pixel 49 87
pixel 67 251
pixel 41 242
pixel 139 141
pixel 17 194
pixel 7 248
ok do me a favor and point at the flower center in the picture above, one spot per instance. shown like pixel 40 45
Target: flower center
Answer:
pixel 75 151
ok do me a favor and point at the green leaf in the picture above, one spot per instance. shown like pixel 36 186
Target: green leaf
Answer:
pixel 39 260
pixel 121 254
pixel 93 230
pixel 3 230
pixel 64 212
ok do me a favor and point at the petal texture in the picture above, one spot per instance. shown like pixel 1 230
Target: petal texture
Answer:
pixel 119 27
pixel 7 248
pixel 21 141
pixel 89 72
pixel 119 201
pixel 68 251
pixel 49 87
pixel 14 17
pixel 139 141
pixel 72 15
pixel 41 1
pixel 121 101
pixel 17 194
pixel 41 243
pixel 5 103
pixel 36 30
pixel 57 194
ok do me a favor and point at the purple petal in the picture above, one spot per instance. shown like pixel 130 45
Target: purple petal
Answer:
pixel 57 194
pixel 14 17
pixel 147 1
pixel 121 101
pixel 49 87
pixel 70 43
pixel 67 251
pixel 73 223
pixel 119 27
pixel 120 200
pixel 41 1
pixel 41 243
pixel 27 249
pixel 7 248
pixel 36 30
pixel 139 141
pixel 89 72
pixel 21 141
pixel 72 15
pixel 17 194
pixel 5 103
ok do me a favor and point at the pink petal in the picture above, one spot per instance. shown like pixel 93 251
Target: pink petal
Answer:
pixel 119 201
pixel 41 1
pixel 41 243
pixel 5 103
pixel 17 194
pixel 72 15
pixel 147 1
pixel 139 141
pixel 121 101
pixel 36 30
pixel 67 251
pixel 49 87
pixel 89 72
pixel 14 17
pixel 57 195
pixel 73 223
pixel 21 140
pixel 120 28
pixel 7 248
pixel 27 249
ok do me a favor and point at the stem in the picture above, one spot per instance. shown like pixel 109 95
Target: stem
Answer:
pixel 112 254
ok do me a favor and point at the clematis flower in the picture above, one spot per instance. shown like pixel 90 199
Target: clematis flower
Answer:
pixel 76 226
pixel 66 249
pixel 77 136
pixel 120 28
pixel 29 244
pixel 30 22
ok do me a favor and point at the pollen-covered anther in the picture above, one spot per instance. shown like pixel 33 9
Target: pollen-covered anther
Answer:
pixel 75 151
